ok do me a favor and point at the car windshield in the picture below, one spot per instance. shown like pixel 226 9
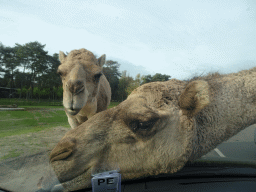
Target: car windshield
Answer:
pixel 115 75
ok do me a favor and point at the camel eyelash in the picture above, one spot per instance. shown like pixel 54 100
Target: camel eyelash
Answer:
pixel 136 125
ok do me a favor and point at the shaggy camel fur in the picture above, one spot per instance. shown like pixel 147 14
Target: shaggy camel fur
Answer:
pixel 86 90
pixel 157 129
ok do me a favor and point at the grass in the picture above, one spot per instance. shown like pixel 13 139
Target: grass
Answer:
pixel 113 104
pixel 11 154
pixel 21 122
pixel 39 106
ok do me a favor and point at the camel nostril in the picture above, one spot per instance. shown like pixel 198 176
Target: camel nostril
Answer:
pixel 79 90
pixel 63 149
pixel 75 86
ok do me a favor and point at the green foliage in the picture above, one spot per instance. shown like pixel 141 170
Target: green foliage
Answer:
pixel 160 77
pixel 42 70
pixel 9 60
pixel 36 92
pixel 60 92
pixel 139 80
pixel 111 71
pixel 156 77
pixel 147 79
pixel 134 84
pixel 45 92
pixel 124 82
pixel 39 80
pixel 22 92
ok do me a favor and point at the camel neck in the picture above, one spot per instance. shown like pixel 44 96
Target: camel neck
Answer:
pixel 232 109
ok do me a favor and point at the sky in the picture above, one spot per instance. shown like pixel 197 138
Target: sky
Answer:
pixel 180 38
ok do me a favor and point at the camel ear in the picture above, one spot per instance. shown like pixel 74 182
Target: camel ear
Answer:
pixel 194 98
pixel 62 57
pixel 101 60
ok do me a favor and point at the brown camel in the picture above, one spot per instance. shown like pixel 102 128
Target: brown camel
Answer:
pixel 157 129
pixel 86 90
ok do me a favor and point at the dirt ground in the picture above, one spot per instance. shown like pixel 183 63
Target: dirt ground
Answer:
pixel 22 173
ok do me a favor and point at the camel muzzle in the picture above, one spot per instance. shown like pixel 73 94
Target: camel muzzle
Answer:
pixel 73 111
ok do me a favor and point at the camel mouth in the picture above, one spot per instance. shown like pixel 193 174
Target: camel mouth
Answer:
pixel 73 112
pixel 86 183
pixel 59 186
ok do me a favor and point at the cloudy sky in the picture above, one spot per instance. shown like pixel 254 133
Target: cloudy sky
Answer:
pixel 175 37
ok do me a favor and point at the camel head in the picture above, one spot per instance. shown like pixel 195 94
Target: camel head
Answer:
pixel 150 133
pixel 80 72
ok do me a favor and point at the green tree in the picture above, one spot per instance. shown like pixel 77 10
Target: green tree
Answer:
pixel 124 82
pixel 50 78
pixel 22 92
pixel 111 71
pixel 37 61
pixel 22 53
pixel 2 70
pixel 60 92
pixel 9 60
pixel 36 93
pixel 147 79
pixel 38 70
pixel 160 77
pixel 156 77
pixel 134 84
pixel 21 81
pixel 46 93
pixel 42 66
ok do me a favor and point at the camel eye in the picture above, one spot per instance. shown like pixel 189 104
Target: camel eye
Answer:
pixel 143 126
pixel 134 125
pixel 59 73
pixel 97 77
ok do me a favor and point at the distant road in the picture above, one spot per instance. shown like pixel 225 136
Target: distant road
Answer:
pixel 240 146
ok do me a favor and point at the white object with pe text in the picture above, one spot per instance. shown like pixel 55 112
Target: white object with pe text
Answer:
pixel 109 181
